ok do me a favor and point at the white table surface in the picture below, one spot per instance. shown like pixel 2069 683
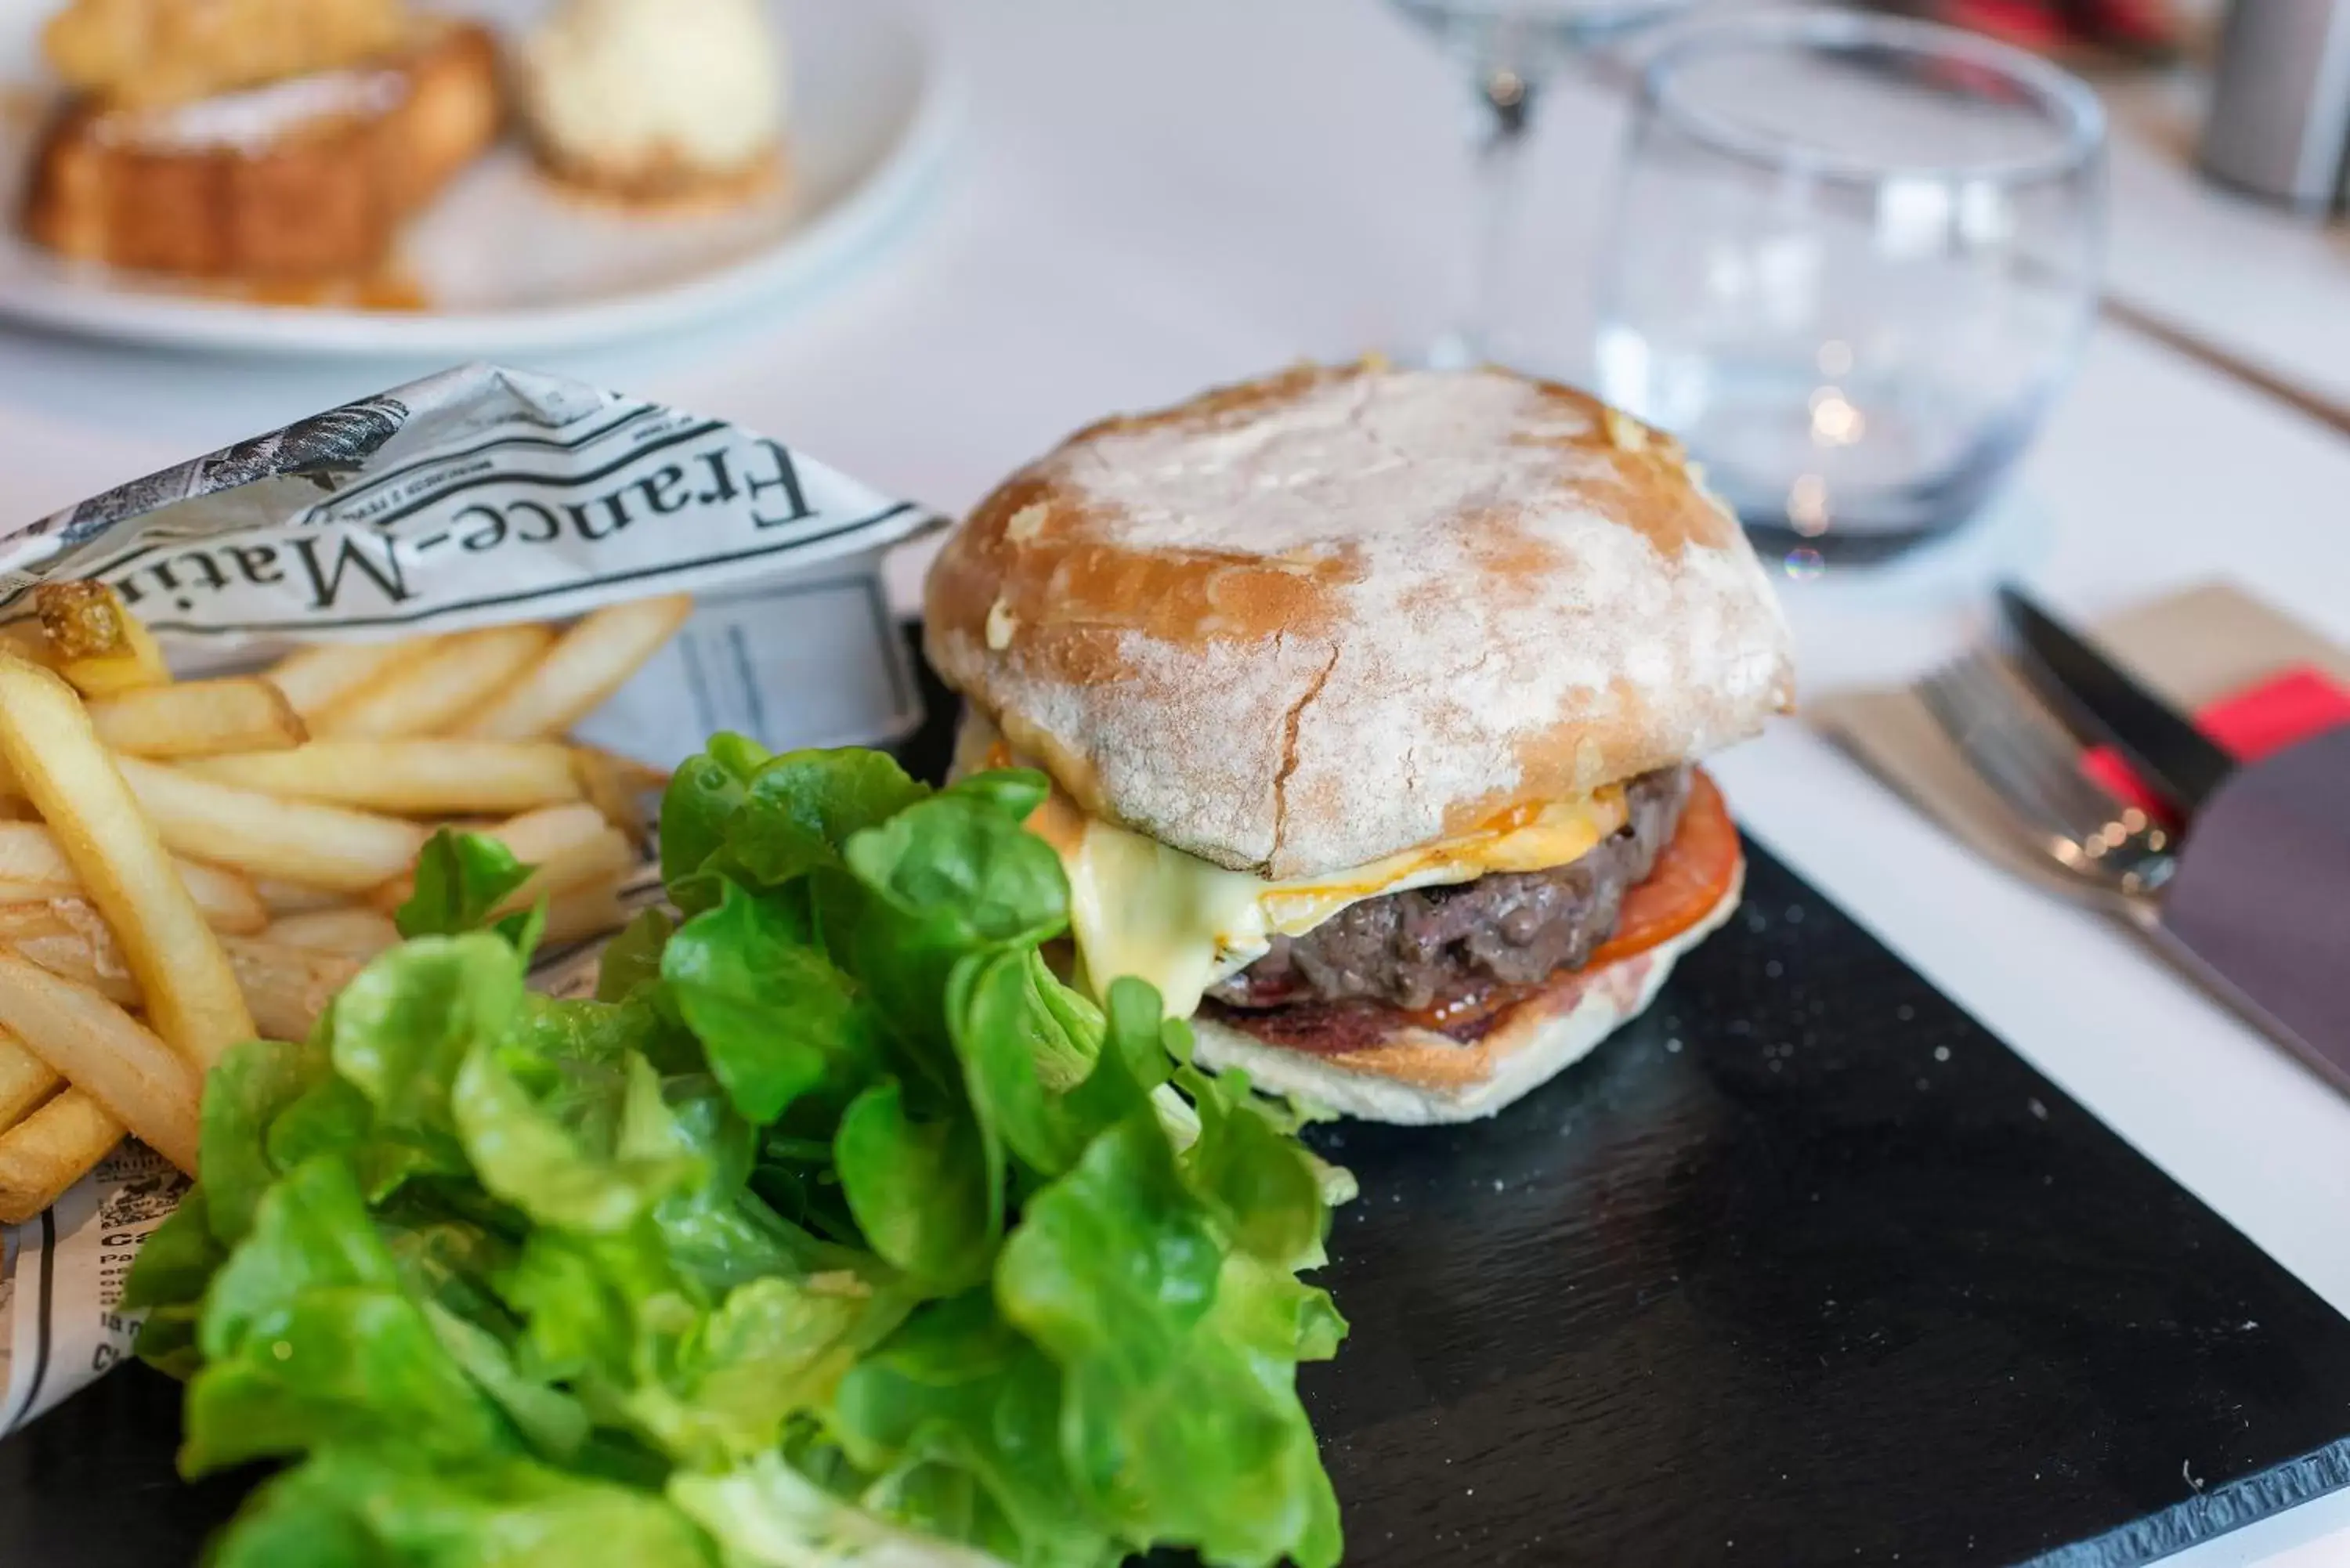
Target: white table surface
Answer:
pixel 2267 283
pixel 1150 198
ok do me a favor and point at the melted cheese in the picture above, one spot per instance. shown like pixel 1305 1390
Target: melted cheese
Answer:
pixel 1138 908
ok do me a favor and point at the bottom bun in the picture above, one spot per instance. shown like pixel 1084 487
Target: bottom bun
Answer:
pixel 1417 1077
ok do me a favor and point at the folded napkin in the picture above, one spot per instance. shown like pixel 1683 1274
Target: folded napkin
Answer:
pixel 2253 678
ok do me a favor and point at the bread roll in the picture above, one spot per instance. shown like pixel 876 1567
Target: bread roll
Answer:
pixel 1306 622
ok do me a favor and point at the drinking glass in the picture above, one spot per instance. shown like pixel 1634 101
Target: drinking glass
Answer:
pixel 1854 259
pixel 1511 49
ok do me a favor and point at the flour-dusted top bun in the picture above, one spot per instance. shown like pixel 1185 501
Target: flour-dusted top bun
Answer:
pixel 1299 624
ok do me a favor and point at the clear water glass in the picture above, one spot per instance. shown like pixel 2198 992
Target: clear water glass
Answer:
pixel 1508 51
pixel 1853 261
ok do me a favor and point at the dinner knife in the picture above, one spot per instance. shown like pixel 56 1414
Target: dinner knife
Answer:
pixel 2104 705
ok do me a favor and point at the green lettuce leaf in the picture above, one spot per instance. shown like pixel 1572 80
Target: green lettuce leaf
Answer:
pixel 1013 792
pixel 926 1191
pixel 348 1509
pixel 1130 1063
pixel 766 1514
pixel 331 1116
pixel 248 1089
pixel 777 1020
pixel 1255 1177
pixel 802 806
pixel 167 1281
pixel 959 1389
pixel 963 861
pixel 446 1256
pixel 602 1172
pixel 309 1340
pixel 556 1425
pixel 602 1032
pixel 836 1229
pixel 461 878
pixel 1046 1075
pixel 580 1299
pixel 901 961
pixel 1172 1431
pixel 310 1231
pixel 702 796
pixel 1006 1036
pixel 774 1349
pixel 403 1025
pixel 632 959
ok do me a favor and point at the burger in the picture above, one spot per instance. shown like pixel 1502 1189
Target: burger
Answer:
pixel 1371 700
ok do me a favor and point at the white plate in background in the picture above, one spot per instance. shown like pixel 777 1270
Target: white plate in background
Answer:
pixel 506 263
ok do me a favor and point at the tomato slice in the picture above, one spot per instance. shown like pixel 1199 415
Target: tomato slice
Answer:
pixel 1696 869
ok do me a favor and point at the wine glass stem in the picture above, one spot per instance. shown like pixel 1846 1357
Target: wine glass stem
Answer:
pixel 1503 110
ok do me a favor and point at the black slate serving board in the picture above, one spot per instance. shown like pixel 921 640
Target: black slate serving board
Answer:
pixel 1804 1267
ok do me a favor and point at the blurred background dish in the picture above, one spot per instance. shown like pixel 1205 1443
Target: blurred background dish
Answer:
pixel 188 157
pixel 150 54
pixel 507 261
pixel 1852 262
pixel 657 101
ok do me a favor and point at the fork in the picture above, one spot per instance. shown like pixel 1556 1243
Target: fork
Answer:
pixel 2116 852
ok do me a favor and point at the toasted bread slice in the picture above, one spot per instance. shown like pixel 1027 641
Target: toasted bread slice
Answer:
pixel 305 178
pixel 145 53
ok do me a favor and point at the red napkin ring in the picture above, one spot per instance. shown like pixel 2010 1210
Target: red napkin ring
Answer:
pixel 2124 29
pixel 2247 725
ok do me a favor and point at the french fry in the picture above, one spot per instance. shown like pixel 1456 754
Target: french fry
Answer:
pixel 25 1081
pixel 109 1055
pixel 67 937
pixel 616 787
pixel 95 643
pixel 569 845
pixel 352 929
pixel 313 678
pixel 141 663
pixel 553 838
pixel 28 641
pixel 82 793
pixel 50 1150
pixel 583 912
pixel 227 897
pixel 81 619
pixel 293 840
pixel 288 987
pixel 416 776
pixel 606 857
pixel 587 663
pixel 281 897
pixel 33 865
pixel 431 690
pixel 198 718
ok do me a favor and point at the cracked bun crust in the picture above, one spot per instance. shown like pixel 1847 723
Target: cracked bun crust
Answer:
pixel 1296 625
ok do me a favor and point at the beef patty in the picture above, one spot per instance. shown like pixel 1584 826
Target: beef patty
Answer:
pixel 1417 947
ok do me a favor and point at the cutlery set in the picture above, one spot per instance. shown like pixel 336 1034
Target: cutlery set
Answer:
pixel 2239 873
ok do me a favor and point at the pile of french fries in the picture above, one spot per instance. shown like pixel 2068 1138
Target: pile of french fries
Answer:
pixel 187 864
